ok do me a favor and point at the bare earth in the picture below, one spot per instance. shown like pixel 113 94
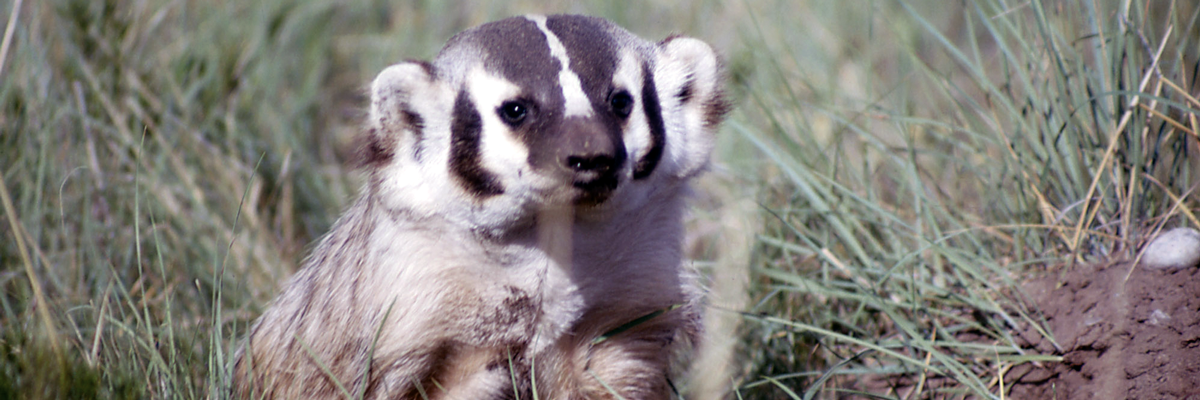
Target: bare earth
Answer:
pixel 1135 338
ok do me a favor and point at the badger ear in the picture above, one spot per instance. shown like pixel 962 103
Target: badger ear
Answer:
pixel 689 79
pixel 397 120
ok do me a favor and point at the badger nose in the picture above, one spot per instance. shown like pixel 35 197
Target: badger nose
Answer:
pixel 600 163
pixel 591 154
pixel 589 151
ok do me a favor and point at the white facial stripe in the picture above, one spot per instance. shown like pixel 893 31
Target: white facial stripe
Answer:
pixel 499 151
pixel 577 101
pixel 629 77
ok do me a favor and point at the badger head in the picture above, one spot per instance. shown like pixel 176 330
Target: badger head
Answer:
pixel 533 112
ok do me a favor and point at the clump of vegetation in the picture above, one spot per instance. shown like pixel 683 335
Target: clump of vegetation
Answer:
pixel 165 163
pixel 922 163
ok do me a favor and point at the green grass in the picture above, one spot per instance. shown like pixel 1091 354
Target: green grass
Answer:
pixel 924 163
pixel 907 166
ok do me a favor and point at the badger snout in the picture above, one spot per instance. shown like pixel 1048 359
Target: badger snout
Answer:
pixel 591 155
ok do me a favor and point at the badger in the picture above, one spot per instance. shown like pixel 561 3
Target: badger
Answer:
pixel 520 230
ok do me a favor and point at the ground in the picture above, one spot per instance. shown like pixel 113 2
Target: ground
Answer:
pixel 1123 332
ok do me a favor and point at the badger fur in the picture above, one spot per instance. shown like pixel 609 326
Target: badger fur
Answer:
pixel 520 230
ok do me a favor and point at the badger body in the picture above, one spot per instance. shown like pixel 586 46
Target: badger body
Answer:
pixel 520 230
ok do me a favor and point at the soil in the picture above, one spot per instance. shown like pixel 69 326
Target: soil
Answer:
pixel 1123 332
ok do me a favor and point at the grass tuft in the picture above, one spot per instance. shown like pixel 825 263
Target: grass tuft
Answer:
pixel 960 151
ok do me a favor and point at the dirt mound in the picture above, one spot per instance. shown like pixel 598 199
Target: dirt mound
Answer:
pixel 1122 335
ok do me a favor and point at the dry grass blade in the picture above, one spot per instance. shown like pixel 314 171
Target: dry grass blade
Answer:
pixel 9 29
pixel 1115 135
pixel 43 307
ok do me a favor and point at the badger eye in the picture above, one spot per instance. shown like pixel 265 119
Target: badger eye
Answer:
pixel 512 112
pixel 621 103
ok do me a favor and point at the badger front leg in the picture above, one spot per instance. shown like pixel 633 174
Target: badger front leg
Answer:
pixel 448 370
pixel 634 367
pixel 630 361
pixel 469 345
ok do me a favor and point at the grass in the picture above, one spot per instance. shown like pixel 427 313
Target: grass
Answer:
pixel 960 151
pixel 908 166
